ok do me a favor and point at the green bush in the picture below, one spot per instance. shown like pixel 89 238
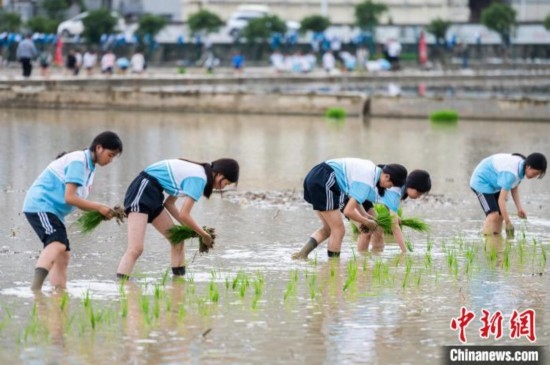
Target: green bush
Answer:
pixel 448 116
pixel 336 113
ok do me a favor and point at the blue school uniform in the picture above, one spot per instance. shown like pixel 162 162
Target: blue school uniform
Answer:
pixel 179 178
pixel 356 178
pixel 496 172
pixel 47 193
pixel 392 198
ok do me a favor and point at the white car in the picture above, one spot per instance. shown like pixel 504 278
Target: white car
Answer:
pixel 245 13
pixel 75 26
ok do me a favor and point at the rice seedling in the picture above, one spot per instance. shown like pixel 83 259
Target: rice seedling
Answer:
pixel 506 257
pixel 87 300
pixel 165 277
pixel 312 284
pixel 352 275
pixel 202 307
pixel 89 221
pixel 64 300
pixel 383 218
pixel 419 278
pixel 408 268
pixel 415 224
pixel 335 113
pixel 179 233
pixel 181 311
pixel 364 264
pixel 124 307
pixel 291 285
pixel 428 260
pixel 444 116
pixel 409 245
pixel 213 291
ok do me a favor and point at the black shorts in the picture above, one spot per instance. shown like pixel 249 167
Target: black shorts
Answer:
pixel 49 228
pixel 489 202
pixel 321 189
pixel 144 195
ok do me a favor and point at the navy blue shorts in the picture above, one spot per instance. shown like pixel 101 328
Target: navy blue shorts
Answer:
pixel 489 202
pixel 321 189
pixel 49 228
pixel 144 195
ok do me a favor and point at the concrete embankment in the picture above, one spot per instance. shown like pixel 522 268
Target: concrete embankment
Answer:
pixel 359 96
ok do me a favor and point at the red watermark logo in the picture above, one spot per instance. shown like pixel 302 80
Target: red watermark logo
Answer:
pixel 520 324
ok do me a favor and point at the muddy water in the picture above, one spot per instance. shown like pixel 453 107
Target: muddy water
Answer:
pixel 375 309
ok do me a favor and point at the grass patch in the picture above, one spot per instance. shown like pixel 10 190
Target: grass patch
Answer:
pixel 336 113
pixel 444 116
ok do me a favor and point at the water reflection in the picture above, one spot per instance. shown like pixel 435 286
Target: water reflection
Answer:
pixel 384 315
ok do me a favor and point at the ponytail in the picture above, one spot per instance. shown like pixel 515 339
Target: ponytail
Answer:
pixel 209 178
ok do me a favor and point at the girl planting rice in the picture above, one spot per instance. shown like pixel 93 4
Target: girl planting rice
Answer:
pixel 145 203
pixel 418 182
pixel 61 187
pixel 499 175
pixel 328 184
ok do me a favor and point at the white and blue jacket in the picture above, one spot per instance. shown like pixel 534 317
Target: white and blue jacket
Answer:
pixel 47 193
pixel 179 178
pixel 496 172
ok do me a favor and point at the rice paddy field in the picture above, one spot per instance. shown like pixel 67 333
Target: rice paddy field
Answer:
pixel 247 301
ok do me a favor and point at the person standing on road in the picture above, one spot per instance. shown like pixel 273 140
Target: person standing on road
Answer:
pixel 26 52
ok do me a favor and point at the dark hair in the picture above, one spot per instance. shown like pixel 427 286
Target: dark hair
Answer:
pixel 228 167
pixel 209 179
pixel 398 175
pixel 418 180
pixel 537 161
pixel 108 140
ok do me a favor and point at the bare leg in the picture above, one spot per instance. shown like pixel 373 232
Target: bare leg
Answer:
pixel 47 259
pixel 137 225
pixel 163 223
pixel 493 224
pixel 58 273
pixel 334 220
pixel 318 237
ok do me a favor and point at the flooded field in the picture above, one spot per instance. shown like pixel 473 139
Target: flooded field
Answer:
pixel 247 302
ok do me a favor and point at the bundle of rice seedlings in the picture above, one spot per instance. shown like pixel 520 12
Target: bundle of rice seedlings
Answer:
pixel 415 224
pixel 354 231
pixel 383 219
pixel 91 219
pixel 179 233
pixel 203 247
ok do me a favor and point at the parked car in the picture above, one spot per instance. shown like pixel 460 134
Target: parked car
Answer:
pixel 245 13
pixel 75 26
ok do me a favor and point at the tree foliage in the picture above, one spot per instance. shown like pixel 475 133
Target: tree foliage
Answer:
pixel 97 23
pixel 368 13
pixel 315 23
pixel 10 22
pixel 500 18
pixel 41 24
pixel 150 24
pixel 260 29
pixel 55 9
pixel 204 20
pixel 547 22
pixel 438 27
